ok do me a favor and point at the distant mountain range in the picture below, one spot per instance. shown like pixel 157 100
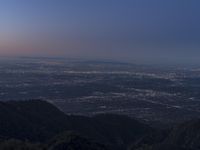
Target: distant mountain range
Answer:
pixel 36 124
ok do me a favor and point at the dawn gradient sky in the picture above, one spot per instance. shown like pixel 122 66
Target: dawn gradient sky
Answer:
pixel 124 30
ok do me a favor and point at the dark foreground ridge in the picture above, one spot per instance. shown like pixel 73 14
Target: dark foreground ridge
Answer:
pixel 36 124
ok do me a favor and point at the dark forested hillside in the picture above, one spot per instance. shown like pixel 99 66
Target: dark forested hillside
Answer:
pixel 39 121
pixel 185 136
pixel 38 125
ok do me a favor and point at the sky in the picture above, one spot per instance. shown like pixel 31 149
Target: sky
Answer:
pixel 123 30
